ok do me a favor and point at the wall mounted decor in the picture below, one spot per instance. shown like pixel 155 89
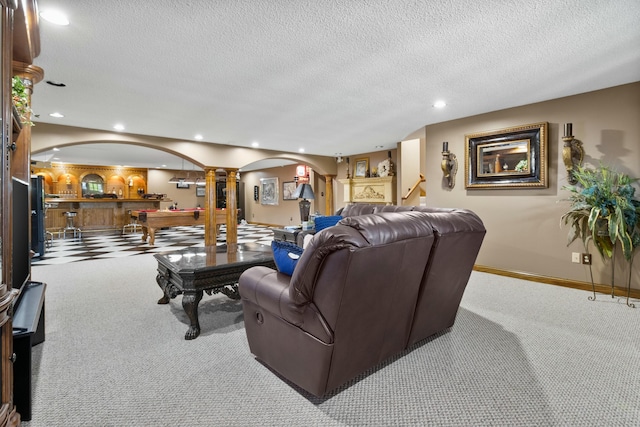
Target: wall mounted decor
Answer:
pixel 514 157
pixel 572 153
pixel 449 165
pixel 288 188
pixel 200 191
pixel 269 191
pixel 361 168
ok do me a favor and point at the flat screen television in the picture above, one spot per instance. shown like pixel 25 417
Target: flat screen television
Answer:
pixel 21 223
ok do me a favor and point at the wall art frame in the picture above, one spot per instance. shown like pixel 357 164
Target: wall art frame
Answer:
pixel 288 190
pixel 182 184
pixel 513 157
pixel 269 191
pixel 361 167
pixel 200 190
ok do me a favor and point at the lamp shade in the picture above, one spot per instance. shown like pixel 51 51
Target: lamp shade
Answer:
pixel 304 191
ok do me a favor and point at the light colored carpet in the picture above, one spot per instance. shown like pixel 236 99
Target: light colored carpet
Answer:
pixel 520 354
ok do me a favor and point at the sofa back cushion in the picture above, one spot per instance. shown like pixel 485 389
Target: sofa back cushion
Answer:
pixel 363 277
pixel 459 235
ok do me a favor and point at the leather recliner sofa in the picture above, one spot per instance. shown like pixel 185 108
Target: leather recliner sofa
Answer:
pixel 381 280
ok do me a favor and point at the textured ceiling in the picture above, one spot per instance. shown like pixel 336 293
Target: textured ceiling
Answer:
pixel 334 76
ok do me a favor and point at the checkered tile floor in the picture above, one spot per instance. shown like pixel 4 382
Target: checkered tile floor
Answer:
pixel 114 246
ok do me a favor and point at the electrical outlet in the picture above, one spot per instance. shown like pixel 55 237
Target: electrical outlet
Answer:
pixel 575 257
pixel 586 259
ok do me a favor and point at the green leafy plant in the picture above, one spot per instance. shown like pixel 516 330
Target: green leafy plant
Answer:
pixel 604 209
pixel 21 101
pixel 522 165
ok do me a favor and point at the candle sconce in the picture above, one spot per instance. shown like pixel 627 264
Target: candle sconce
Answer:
pixel 572 153
pixel 449 165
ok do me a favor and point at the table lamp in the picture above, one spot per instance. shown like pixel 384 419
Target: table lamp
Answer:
pixel 304 192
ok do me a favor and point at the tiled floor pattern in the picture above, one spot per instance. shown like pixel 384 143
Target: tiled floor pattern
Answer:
pixel 63 251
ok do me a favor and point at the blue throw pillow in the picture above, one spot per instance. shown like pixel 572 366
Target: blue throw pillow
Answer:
pixel 323 222
pixel 285 255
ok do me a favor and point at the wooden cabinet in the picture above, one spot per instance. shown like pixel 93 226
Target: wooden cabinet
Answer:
pixel 20 44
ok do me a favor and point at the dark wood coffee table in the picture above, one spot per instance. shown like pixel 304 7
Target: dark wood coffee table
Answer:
pixel 210 269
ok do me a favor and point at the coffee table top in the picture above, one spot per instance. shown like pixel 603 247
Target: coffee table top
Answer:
pixel 209 258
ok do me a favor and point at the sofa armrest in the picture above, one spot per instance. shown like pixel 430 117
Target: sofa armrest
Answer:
pixel 268 290
pixel 265 287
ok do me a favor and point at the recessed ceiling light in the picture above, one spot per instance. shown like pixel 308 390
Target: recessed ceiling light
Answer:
pixel 56 115
pixel 56 149
pixel 300 150
pixel 198 137
pixel 439 104
pixel 55 17
pixel 119 127
pixel 255 144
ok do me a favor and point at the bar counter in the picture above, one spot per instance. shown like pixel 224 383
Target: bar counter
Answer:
pixel 94 214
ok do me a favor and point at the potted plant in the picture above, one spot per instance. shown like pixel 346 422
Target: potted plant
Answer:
pixel 21 100
pixel 604 209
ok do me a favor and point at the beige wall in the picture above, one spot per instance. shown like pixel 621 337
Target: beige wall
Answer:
pixel 286 212
pixel 523 226
pixel 158 182
pixel 524 232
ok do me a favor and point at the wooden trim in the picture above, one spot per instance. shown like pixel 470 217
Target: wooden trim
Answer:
pixel 26 34
pixel 567 283
pixel 412 189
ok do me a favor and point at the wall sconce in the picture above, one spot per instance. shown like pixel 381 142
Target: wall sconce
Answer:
pixel 449 165
pixel 572 153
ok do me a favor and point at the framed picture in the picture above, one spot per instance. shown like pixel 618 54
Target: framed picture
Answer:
pixel 269 191
pixel 288 188
pixel 200 191
pixel 514 157
pixel 361 167
pixel 182 184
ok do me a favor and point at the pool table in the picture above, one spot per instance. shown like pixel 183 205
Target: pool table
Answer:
pixel 151 220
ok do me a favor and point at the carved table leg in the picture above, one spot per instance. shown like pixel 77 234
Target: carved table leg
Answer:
pixel 144 233
pixel 190 302
pixel 152 235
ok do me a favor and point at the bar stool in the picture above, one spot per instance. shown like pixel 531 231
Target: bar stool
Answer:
pixel 48 238
pixel 71 226
pixel 133 224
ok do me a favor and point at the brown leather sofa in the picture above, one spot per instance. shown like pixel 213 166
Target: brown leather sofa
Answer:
pixel 381 280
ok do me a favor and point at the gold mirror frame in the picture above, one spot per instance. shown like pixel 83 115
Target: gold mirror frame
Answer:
pixel 514 157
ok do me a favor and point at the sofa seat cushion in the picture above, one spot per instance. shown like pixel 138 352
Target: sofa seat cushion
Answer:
pixel 285 255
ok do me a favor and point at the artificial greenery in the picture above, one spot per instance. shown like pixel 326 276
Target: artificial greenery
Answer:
pixel 604 209
pixel 21 100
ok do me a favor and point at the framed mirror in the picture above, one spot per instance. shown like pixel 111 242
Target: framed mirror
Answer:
pixel 92 184
pixel 507 158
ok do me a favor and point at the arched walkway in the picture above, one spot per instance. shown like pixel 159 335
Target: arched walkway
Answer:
pixel 209 157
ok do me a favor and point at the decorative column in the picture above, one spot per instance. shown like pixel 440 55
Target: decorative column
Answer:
pixel 328 201
pixel 21 152
pixel 210 206
pixel 232 208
